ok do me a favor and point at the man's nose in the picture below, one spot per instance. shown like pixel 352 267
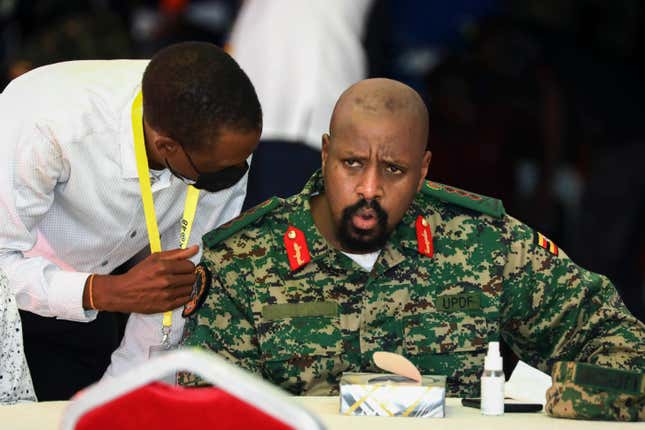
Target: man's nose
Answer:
pixel 370 186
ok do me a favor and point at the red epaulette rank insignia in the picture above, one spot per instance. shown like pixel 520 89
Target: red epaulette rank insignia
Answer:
pixel 424 237
pixel 543 242
pixel 296 247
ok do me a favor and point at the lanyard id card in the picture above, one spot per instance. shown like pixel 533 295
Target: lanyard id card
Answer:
pixel 190 207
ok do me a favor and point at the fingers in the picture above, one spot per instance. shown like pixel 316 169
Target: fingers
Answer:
pixel 171 298
pixel 160 282
pixel 179 302
pixel 179 254
pixel 167 306
pixel 178 281
pixel 181 297
pixel 180 267
pixel 180 293
pixel 154 266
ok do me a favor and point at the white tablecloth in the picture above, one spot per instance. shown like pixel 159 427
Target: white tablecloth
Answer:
pixel 46 416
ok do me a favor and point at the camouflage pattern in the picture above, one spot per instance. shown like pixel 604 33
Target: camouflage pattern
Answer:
pixel 487 279
pixel 585 391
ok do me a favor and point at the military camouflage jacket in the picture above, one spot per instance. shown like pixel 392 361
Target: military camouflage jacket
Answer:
pixel 489 276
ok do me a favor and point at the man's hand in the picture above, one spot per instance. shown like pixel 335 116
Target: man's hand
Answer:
pixel 161 282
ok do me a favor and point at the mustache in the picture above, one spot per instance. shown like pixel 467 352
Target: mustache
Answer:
pixel 362 204
pixel 354 239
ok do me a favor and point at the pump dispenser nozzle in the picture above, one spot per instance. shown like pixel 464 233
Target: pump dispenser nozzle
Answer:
pixel 493 360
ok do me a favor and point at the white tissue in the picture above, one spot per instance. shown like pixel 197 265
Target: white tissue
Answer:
pixel 527 384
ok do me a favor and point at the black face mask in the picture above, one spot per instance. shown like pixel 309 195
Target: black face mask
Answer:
pixel 212 181
pixel 222 179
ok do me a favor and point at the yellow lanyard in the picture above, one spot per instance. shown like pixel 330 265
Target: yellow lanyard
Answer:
pixel 190 206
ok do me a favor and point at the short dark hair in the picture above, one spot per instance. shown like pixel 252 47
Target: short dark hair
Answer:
pixel 192 90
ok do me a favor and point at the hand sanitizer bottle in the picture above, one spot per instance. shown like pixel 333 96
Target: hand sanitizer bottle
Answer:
pixel 492 382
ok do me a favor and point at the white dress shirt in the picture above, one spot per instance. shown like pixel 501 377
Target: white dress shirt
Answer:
pixel 70 203
pixel 15 380
pixel 300 55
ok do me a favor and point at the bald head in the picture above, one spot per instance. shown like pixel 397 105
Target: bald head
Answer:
pixel 378 98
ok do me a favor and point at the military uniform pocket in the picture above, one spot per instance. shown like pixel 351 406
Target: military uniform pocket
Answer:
pixel 302 354
pixel 442 333
pixel 285 338
pixel 450 344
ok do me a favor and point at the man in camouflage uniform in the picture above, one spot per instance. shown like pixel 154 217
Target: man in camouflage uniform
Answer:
pixel 371 257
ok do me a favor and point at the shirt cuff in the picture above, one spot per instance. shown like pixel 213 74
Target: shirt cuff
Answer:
pixel 66 296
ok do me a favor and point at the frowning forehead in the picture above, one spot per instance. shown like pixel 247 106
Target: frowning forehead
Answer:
pixel 388 149
pixel 370 107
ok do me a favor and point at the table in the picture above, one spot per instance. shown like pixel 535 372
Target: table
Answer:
pixel 46 415
pixel 457 418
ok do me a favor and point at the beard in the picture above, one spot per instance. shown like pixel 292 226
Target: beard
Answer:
pixel 358 240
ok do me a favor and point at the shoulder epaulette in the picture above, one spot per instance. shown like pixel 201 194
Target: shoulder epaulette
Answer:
pixel 236 224
pixel 456 196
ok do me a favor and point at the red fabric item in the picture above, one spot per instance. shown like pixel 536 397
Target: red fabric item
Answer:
pixel 424 237
pixel 164 407
pixel 296 248
pixel 173 7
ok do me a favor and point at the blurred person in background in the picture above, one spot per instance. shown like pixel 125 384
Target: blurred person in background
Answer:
pixel 157 23
pixel 603 70
pixel 498 116
pixel 595 49
pixel 406 39
pixel 611 237
pixel 300 55
pixel 40 32
pixel 15 380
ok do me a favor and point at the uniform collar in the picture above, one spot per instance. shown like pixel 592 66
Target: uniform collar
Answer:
pixel 401 244
pixel 301 218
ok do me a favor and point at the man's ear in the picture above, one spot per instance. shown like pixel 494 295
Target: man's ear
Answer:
pixel 425 166
pixel 325 149
pixel 165 146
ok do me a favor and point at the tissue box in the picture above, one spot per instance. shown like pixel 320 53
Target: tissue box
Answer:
pixel 388 395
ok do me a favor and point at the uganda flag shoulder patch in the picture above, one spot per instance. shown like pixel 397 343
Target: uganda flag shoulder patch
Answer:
pixel 542 241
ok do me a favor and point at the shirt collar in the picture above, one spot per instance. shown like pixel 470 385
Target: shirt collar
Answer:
pixel 159 179
pixel 128 158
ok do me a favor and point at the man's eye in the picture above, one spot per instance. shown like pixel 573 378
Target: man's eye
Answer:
pixel 352 163
pixel 395 170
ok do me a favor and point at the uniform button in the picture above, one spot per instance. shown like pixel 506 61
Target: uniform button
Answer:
pixel 291 234
pixel 104 263
pixel 134 233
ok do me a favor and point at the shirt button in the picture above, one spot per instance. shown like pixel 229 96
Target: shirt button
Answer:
pixel 134 233
pixel 104 263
